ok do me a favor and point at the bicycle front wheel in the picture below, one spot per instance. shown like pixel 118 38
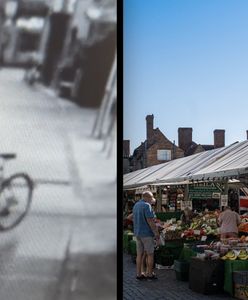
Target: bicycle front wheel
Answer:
pixel 15 199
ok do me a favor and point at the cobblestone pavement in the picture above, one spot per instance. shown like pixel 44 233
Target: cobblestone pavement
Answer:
pixel 166 287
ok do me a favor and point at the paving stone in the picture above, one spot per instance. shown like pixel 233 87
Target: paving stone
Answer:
pixel 167 287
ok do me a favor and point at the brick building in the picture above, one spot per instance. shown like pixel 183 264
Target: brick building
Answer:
pixel 154 150
pixel 157 148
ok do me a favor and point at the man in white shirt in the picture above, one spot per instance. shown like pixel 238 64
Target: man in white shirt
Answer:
pixel 229 221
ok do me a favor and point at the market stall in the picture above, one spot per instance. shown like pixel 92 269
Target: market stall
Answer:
pixel 208 181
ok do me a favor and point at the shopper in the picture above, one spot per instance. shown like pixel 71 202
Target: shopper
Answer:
pixel 144 263
pixel 187 216
pixel 145 230
pixel 229 221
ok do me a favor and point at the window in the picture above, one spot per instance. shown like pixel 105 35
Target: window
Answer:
pixel 163 154
pixel 29 41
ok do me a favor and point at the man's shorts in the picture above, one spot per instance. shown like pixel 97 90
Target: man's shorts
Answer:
pixel 145 244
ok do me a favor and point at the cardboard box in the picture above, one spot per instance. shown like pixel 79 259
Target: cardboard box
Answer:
pixel 241 291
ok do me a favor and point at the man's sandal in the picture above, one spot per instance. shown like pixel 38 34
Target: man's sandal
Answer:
pixel 152 277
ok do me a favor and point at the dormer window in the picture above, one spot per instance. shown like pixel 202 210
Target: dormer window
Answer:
pixel 163 154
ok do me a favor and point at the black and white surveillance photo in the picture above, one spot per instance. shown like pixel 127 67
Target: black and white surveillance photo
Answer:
pixel 58 173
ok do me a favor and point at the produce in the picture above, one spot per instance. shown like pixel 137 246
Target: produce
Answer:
pixel 202 225
pixel 243 227
pixel 172 230
pixel 243 239
pixel 232 255
pixel 243 255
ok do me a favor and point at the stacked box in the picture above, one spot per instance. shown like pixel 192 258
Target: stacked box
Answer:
pixel 240 280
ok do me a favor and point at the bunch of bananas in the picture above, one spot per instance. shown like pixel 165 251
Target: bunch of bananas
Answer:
pixel 243 255
pixel 231 255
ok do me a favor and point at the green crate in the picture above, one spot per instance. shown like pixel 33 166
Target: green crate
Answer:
pixel 174 243
pixel 163 259
pixel 181 268
pixel 187 253
pixel 182 276
pixel 127 236
pixel 125 243
pixel 172 248
pixel 132 247
pixel 176 252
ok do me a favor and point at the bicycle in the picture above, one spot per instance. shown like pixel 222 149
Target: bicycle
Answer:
pixel 15 196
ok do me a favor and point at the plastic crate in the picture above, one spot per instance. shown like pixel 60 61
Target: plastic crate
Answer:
pixel 182 276
pixel 240 280
pixel 240 277
pixel 232 266
pixel 181 268
pixel 174 243
pixel 164 260
pixel 173 248
pixel 132 247
pixel 127 237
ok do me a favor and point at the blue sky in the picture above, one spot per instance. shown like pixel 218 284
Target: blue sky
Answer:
pixel 186 62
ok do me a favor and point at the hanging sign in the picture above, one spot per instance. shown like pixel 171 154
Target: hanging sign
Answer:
pixel 164 199
pixel 204 192
pixel 185 204
pixel 142 189
pixel 216 195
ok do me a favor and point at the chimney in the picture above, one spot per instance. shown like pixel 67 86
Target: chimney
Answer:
pixel 149 129
pixel 184 137
pixel 126 148
pixel 247 134
pixel 219 138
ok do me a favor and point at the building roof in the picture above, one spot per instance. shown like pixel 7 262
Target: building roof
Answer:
pixel 191 149
pixel 207 147
pixel 229 161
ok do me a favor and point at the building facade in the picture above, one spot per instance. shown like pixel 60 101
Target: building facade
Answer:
pixel 157 148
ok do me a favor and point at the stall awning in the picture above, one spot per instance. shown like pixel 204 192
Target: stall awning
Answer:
pixel 217 164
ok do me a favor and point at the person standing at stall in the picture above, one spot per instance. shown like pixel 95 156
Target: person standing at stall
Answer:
pixel 187 216
pixel 145 230
pixel 229 221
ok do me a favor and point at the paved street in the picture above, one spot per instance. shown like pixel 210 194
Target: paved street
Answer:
pixel 66 243
pixel 167 287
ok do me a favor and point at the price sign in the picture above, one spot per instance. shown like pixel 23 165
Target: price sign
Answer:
pixel 224 200
pixel 197 232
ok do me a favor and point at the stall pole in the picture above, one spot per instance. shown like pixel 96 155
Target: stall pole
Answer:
pixel 225 193
pixel 186 192
pixel 159 202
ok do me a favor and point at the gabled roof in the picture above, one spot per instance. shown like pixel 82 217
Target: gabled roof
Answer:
pixel 145 146
pixel 227 161
pixel 141 148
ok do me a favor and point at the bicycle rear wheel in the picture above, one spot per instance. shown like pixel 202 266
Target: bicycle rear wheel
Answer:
pixel 15 199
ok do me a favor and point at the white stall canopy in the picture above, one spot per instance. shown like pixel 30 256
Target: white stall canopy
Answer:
pixel 221 164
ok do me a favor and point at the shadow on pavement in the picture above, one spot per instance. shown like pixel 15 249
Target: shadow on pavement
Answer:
pixel 88 276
